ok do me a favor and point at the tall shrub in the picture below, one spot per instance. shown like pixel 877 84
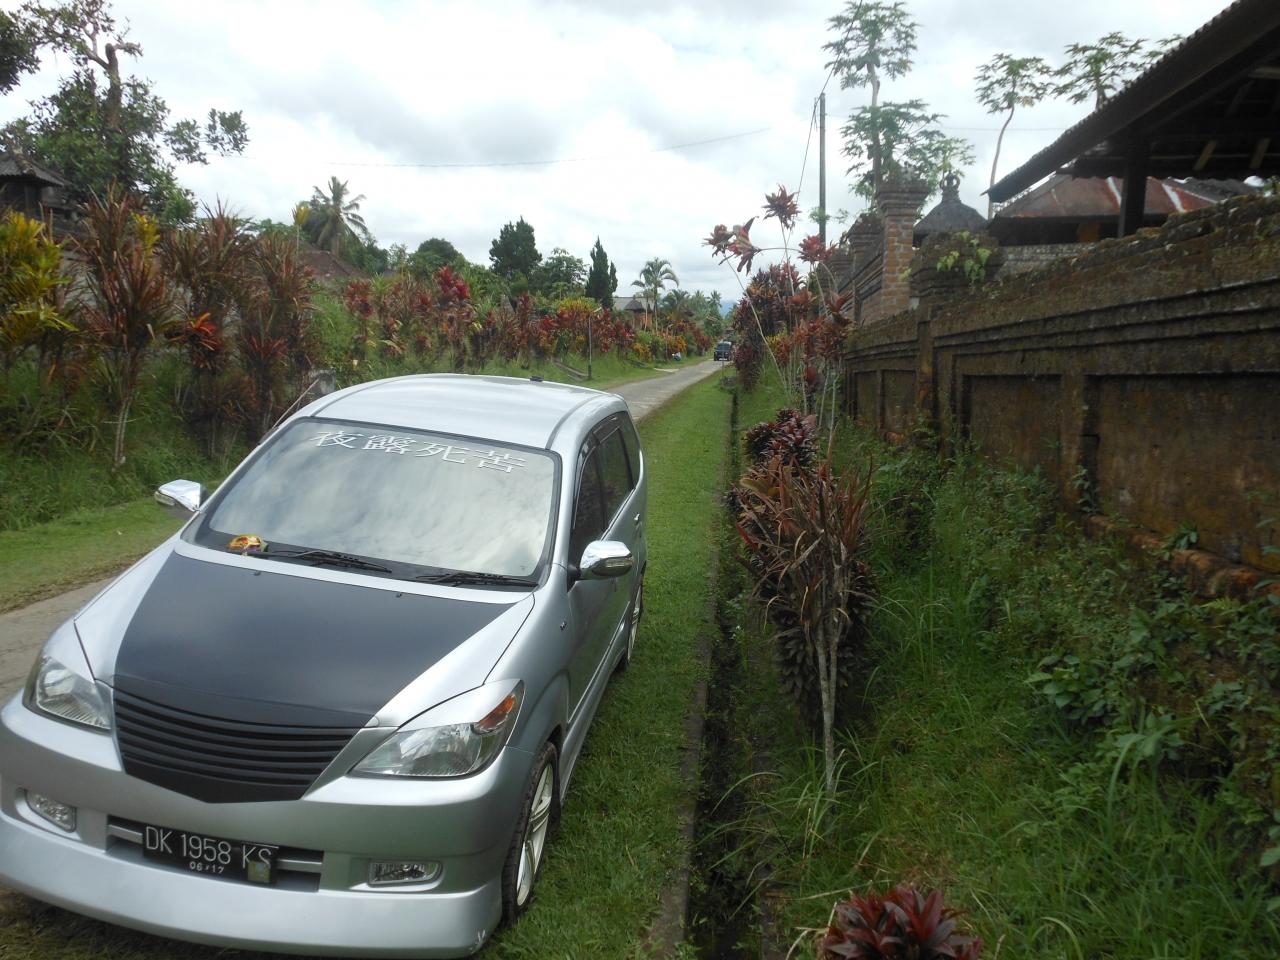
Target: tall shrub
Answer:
pixel 275 341
pixel 210 267
pixel 804 535
pixel 126 304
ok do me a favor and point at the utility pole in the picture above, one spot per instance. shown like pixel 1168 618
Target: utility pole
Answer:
pixel 822 168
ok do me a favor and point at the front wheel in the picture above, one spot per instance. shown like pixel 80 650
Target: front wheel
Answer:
pixel 538 815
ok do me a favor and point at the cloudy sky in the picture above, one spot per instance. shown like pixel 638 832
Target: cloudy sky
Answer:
pixel 435 110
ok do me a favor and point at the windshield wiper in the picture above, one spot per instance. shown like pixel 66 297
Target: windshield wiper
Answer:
pixel 328 558
pixel 459 577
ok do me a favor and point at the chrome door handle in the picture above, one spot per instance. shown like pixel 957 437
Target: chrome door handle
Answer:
pixel 638 520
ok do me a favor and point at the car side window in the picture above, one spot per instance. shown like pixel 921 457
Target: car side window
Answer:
pixel 615 473
pixel 588 509
pixel 632 443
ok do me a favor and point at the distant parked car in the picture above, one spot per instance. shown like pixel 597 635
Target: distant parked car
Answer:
pixel 724 350
pixel 336 712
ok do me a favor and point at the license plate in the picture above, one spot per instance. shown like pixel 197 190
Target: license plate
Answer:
pixel 213 856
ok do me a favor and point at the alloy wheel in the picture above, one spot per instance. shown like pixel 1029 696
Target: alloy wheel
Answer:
pixel 535 835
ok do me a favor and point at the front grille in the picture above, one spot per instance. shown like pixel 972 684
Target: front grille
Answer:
pixel 221 760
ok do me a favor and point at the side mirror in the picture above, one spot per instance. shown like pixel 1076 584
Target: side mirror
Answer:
pixel 181 497
pixel 605 559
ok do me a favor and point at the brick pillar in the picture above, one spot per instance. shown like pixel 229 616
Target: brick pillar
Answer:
pixel 863 236
pixel 899 205
pixel 864 239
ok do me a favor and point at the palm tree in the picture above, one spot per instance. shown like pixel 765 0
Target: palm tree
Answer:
pixel 677 301
pixel 654 277
pixel 333 218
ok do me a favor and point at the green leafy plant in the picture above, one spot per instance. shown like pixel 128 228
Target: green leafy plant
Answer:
pixel 902 923
pixel 1155 740
pixel 1085 489
pixel 969 257
pixel 1006 83
pixel 1271 855
pixel 30 271
pixel 1097 70
pixel 1074 686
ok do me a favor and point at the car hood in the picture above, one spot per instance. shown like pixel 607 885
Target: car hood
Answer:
pixel 251 642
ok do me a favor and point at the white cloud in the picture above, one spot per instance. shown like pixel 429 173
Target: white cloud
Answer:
pixel 352 88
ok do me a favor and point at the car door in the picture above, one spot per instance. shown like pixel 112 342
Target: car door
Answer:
pixel 598 607
pixel 623 523
pixel 587 598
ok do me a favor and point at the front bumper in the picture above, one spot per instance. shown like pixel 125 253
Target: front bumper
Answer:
pixel 321 904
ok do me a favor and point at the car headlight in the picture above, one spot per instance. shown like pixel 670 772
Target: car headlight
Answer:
pixel 59 691
pixel 443 742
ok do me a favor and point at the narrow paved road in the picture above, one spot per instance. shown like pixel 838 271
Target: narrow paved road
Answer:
pixel 23 631
pixel 645 396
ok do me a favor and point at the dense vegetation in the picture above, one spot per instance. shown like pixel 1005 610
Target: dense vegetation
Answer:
pixel 133 352
pixel 1078 751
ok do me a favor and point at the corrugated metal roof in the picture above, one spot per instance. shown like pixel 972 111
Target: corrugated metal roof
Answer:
pixel 1088 198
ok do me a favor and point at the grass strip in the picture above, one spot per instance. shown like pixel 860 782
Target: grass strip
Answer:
pixel 621 835
pixel 621 838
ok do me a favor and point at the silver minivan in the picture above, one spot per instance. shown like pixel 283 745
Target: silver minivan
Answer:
pixel 337 711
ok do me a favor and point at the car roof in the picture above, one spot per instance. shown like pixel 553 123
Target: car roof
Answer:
pixel 502 409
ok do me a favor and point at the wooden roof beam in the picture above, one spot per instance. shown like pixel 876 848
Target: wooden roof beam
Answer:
pixel 1259 153
pixel 1202 161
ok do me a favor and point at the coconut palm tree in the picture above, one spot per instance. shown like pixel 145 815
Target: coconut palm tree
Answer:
pixel 334 217
pixel 654 277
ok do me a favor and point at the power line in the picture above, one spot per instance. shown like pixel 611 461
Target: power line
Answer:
pixel 432 165
pixel 813 116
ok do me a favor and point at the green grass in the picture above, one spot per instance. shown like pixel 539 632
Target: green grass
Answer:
pixel 621 837
pixel 62 477
pixel 46 560
pixel 955 775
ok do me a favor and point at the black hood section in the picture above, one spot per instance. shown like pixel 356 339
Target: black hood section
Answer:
pixel 234 684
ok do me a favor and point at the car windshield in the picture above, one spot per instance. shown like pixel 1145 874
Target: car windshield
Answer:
pixel 416 501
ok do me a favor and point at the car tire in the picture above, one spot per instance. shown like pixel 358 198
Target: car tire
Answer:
pixel 539 815
pixel 633 630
